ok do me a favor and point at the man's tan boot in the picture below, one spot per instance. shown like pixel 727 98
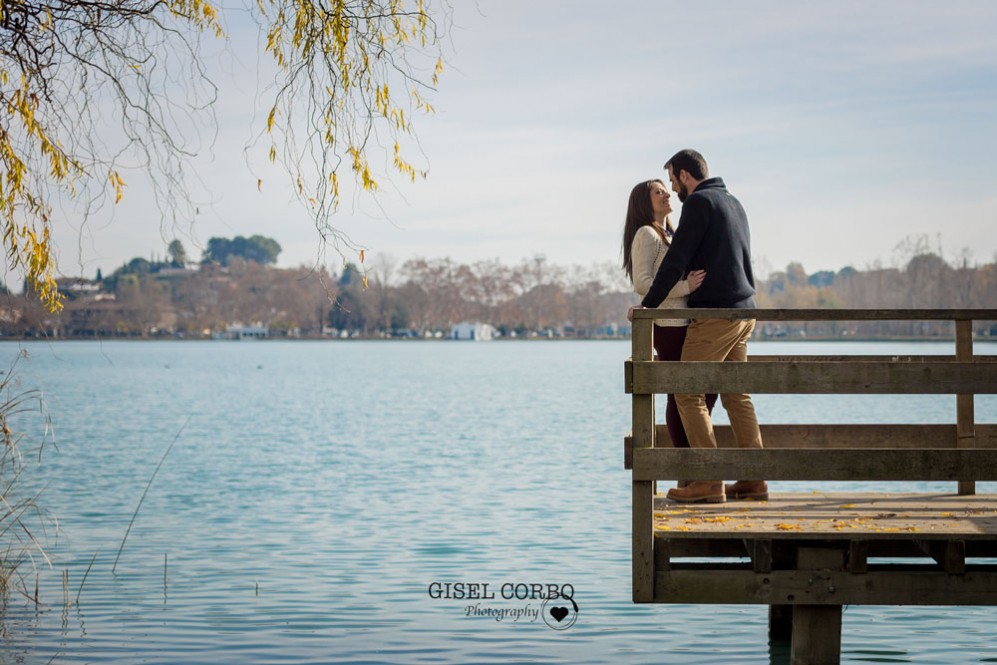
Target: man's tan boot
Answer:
pixel 748 489
pixel 700 491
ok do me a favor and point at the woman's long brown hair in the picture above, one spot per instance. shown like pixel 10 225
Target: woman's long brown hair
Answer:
pixel 640 213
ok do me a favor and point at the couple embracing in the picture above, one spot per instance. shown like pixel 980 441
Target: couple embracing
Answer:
pixel 705 262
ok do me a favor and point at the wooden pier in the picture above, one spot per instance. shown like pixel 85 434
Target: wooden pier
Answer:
pixel 806 555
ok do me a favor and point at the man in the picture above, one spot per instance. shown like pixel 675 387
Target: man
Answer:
pixel 712 236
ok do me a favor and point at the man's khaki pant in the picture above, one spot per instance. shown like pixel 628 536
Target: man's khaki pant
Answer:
pixel 714 339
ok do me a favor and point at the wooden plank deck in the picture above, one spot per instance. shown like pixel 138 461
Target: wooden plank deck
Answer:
pixel 833 516
pixel 828 549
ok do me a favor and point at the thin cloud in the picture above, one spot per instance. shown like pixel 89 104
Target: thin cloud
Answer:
pixel 843 127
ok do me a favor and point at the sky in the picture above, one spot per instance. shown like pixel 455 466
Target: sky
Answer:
pixel 845 128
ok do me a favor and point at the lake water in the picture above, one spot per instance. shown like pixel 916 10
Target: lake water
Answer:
pixel 319 489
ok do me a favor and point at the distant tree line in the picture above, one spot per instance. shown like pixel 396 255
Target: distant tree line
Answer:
pixel 237 283
pixel 926 281
pixel 533 297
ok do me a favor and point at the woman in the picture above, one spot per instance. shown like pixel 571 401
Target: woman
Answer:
pixel 646 237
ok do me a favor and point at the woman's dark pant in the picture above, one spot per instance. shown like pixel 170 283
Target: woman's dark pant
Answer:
pixel 668 342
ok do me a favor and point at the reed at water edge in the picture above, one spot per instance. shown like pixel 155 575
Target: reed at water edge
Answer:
pixel 23 521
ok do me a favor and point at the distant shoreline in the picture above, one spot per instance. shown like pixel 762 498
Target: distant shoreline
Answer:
pixel 499 340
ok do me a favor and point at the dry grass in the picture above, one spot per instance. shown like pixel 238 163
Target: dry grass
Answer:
pixel 22 521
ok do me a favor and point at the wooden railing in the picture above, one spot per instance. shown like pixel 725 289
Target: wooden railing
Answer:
pixel 963 452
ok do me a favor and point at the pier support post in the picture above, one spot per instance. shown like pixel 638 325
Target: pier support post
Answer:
pixel 817 628
pixel 780 623
pixel 816 635
pixel 781 616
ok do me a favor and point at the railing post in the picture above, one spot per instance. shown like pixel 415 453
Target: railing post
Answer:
pixel 643 491
pixel 965 424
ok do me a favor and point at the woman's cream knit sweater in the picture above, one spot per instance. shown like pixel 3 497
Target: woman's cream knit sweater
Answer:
pixel 646 254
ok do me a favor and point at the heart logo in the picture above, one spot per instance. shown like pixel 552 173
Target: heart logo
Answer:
pixel 559 613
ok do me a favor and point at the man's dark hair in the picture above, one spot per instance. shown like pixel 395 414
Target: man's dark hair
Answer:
pixel 689 161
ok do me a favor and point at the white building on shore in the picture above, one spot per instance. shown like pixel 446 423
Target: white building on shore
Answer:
pixel 239 331
pixel 476 332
